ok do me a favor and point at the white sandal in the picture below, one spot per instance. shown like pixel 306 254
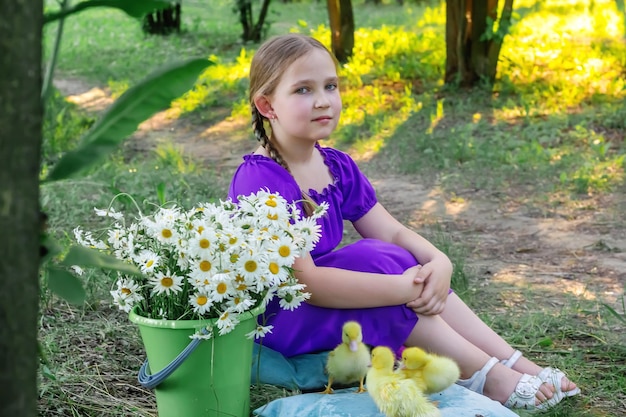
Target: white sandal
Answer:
pixel 553 376
pixel 525 392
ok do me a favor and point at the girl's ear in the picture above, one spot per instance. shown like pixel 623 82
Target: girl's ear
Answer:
pixel 264 107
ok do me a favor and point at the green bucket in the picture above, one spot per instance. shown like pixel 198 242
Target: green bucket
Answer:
pixel 214 380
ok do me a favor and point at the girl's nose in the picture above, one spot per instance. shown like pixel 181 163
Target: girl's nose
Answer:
pixel 321 101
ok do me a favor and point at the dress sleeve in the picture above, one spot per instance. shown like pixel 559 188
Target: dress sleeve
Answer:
pixel 358 193
pixel 256 173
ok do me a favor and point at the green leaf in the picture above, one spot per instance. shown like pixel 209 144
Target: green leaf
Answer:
pixel 87 257
pixel 52 246
pixel 153 94
pixel 134 8
pixel 161 193
pixel 46 372
pixel 545 342
pixel 66 285
pixel 611 310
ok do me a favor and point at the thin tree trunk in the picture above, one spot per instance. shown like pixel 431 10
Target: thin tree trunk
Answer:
pixel 258 27
pixel 472 48
pixel 341 20
pixel 20 144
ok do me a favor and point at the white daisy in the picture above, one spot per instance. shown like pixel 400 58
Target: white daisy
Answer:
pixel 259 332
pixel 147 261
pixel 220 288
pixel 203 334
pixel 250 264
pixel 166 283
pixel 275 272
pixel 292 301
pixel 127 294
pixel 203 243
pixel 227 322
pixel 110 212
pixel 283 250
pixel 239 303
pixel 201 302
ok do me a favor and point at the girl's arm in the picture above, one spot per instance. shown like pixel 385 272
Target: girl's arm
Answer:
pixel 436 269
pixel 341 288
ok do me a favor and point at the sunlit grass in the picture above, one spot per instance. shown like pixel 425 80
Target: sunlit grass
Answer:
pixel 553 126
pixel 563 62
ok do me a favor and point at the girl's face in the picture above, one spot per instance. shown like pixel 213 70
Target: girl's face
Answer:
pixel 306 102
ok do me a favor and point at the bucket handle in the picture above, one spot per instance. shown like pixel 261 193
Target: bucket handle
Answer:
pixel 151 381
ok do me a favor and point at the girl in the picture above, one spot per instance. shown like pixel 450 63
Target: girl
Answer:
pixel 393 281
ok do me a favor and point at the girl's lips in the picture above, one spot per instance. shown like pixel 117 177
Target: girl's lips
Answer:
pixel 322 119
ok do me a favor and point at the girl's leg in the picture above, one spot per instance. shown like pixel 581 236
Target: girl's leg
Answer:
pixel 433 334
pixel 463 320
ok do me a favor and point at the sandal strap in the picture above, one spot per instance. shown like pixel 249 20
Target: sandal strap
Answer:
pixel 524 394
pixel 554 377
pixel 512 360
pixel 477 381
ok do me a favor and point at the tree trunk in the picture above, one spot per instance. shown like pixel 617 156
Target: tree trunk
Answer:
pixel 164 21
pixel 252 32
pixel 21 116
pixel 341 20
pixel 472 48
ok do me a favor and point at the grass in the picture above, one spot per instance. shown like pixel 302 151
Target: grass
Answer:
pixel 549 135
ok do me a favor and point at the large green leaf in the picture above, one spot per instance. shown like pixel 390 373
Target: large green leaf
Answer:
pixel 66 285
pixel 86 257
pixel 134 8
pixel 153 94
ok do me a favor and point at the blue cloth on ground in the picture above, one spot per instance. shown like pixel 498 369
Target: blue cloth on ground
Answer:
pixel 306 373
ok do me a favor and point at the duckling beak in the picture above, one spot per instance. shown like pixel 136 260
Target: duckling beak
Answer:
pixel 354 346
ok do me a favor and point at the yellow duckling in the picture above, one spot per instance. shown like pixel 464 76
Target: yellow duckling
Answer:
pixel 433 373
pixel 394 395
pixel 350 360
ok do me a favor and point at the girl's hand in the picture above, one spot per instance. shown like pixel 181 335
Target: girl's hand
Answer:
pixel 435 276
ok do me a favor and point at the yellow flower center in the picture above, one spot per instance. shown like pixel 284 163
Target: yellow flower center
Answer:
pixel 242 287
pixel 205 266
pixel 250 266
pixel 204 243
pixel 166 233
pixel 234 258
pixel 272 216
pixel 149 263
pixel 201 300
pixel 284 251
pixel 224 316
pixel 274 268
pixel 125 291
pixel 167 282
pixel 221 288
pixel 236 300
pixel 232 240
pixel 271 203
pixel 200 229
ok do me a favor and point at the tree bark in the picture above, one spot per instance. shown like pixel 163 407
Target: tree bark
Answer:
pixel 341 19
pixel 21 116
pixel 472 48
pixel 164 21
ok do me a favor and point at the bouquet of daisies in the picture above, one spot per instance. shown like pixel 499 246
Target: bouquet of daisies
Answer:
pixel 216 260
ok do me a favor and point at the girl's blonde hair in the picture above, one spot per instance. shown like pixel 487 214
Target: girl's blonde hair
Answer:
pixel 269 63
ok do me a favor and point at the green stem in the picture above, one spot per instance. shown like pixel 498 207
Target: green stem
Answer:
pixel 47 81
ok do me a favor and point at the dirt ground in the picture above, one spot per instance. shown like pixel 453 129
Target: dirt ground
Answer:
pixel 577 249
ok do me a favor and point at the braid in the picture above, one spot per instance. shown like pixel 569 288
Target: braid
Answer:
pixel 261 136
pixel 258 128
pixel 259 132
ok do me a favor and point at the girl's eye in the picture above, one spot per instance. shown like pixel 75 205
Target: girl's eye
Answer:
pixel 331 87
pixel 302 90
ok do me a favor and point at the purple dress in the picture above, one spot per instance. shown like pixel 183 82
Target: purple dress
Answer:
pixel 309 328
